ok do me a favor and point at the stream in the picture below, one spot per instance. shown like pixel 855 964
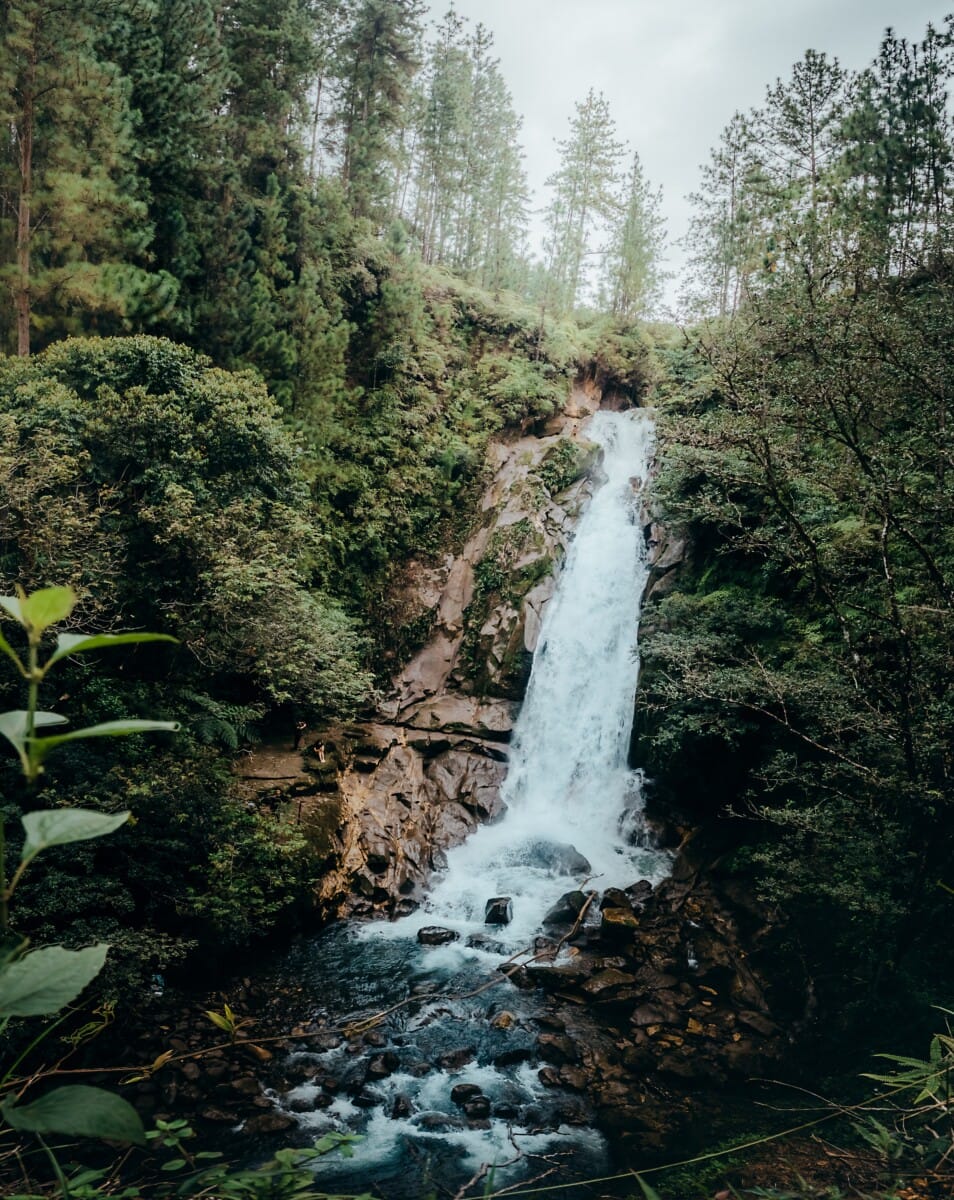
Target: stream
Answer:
pixel 451 1088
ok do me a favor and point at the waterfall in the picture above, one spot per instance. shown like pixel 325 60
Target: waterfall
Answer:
pixel 573 804
pixel 573 819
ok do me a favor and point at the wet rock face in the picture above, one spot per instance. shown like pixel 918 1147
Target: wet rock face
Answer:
pixel 419 780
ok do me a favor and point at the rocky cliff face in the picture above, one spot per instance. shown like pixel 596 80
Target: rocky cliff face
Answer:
pixel 419 779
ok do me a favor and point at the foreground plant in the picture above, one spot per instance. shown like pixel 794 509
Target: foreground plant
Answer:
pixel 41 983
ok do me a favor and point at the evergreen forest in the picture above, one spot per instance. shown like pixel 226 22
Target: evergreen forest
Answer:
pixel 275 291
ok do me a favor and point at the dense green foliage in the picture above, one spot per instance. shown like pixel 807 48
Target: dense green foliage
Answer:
pixel 800 676
pixel 241 192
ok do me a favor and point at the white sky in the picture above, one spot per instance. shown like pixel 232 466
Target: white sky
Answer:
pixel 673 71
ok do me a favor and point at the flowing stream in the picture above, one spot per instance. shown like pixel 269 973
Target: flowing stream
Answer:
pixel 573 820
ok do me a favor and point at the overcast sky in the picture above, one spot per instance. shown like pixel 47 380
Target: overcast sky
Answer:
pixel 673 71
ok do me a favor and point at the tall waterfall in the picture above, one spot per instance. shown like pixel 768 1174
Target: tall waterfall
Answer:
pixel 570 795
pixel 572 820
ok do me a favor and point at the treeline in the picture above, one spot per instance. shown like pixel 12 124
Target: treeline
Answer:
pixel 259 332
pixel 220 173
pixel 835 172
pixel 799 675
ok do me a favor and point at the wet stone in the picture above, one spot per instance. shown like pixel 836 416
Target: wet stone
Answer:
pixel 271 1122
pixel 435 935
pixel 566 910
pixel 498 911
pixel 615 898
pixel 454 1059
pixel 401 1107
pixel 464 1092
pixel 557 1048
pixel 477 1109
pixel 510 1058
pixel 559 857
pixel 438 1122
pixel 383 1065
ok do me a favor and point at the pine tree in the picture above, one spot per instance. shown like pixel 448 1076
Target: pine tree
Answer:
pixel 72 220
pixel 178 70
pixel 584 195
pixel 444 129
pixel 376 61
pixel 632 270
pixel 725 249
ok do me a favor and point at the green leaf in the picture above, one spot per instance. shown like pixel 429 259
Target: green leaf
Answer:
pixel 13 725
pixel 13 728
pixel 41 747
pixel 44 981
pixel 80 1112
pixel 221 1022
pixel 9 651
pixel 650 1193
pixel 12 605
pixel 61 826
pixel 78 643
pixel 47 606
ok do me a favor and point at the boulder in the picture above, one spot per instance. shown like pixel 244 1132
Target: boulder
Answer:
pixel 498 911
pixel 436 935
pixel 567 909
pixel 615 898
pixel 270 1122
pixel 559 857
pixel 477 1109
pixel 463 1093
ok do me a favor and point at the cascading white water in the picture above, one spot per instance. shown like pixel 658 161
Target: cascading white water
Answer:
pixel 568 784
pixel 570 797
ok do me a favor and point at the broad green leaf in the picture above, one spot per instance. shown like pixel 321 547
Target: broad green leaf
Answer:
pixel 47 606
pixel 40 747
pixel 78 643
pixel 78 1111
pixel 13 728
pixel 44 981
pixel 60 826
pixel 9 651
pixel 13 725
pixel 12 605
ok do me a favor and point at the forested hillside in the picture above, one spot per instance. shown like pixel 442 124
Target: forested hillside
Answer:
pixel 288 241
pixel 276 290
pixel 799 677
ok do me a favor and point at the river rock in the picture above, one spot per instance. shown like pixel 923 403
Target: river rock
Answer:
pixel 436 935
pixel 462 1093
pixel 477 1109
pixel 401 1107
pixel 498 911
pixel 383 1065
pixel 271 1122
pixel 557 1048
pixel 559 857
pixel 453 1060
pixel 438 1122
pixel 567 909
pixel 615 898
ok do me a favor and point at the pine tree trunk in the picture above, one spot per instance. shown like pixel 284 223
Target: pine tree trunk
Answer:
pixel 22 287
